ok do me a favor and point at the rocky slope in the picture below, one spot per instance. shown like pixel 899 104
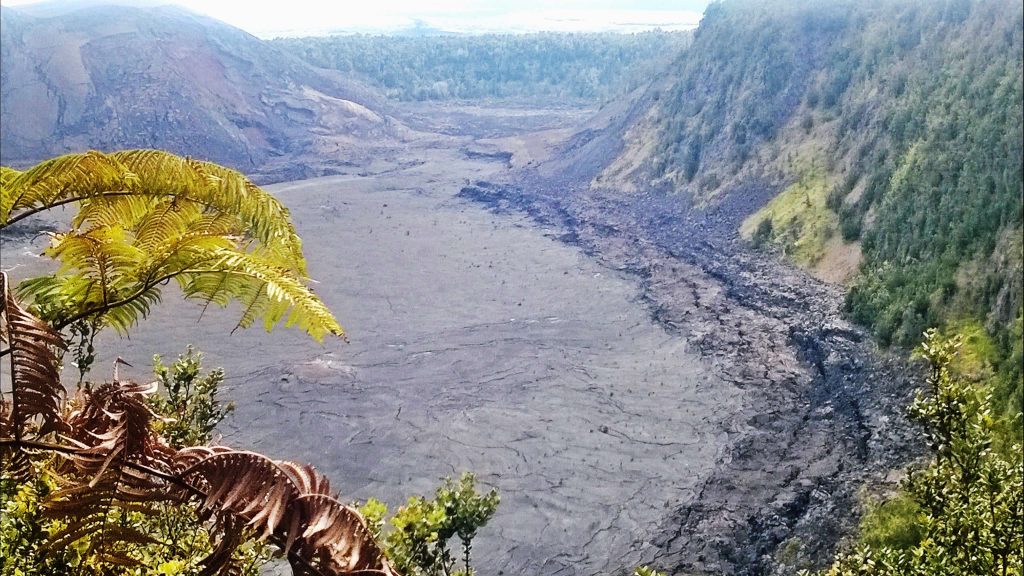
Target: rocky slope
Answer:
pixel 121 77
pixel 844 131
pixel 827 405
pixel 888 136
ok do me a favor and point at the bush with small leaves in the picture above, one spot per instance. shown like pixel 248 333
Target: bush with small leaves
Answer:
pixel 420 534
pixel 189 401
pixel 969 499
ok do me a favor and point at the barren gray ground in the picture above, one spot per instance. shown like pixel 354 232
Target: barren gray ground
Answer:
pixel 661 395
pixel 478 343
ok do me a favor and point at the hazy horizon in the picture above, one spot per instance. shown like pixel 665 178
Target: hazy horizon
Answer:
pixel 310 17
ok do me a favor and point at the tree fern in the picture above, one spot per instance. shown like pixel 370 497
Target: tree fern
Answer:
pixel 145 217
pixel 120 474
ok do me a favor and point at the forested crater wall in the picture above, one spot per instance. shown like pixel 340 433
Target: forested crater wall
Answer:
pixel 888 133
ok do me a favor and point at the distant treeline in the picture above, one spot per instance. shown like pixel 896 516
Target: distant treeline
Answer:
pixel 548 65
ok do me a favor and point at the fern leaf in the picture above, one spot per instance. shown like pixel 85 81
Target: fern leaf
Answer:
pixel 111 425
pixel 339 529
pixel 279 295
pixel 306 479
pixel 38 395
pixel 217 188
pixel 146 216
pixel 122 210
pixel 14 461
pixel 290 502
pixel 54 181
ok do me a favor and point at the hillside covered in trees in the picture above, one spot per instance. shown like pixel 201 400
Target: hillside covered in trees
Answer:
pixel 891 133
pixel 547 65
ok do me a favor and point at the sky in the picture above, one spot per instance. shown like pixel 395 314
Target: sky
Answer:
pixel 304 17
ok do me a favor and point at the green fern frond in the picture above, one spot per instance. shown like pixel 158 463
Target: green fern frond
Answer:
pixel 122 210
pixel 147 216
pixel 154 173
pixel 6 199
pixel 265 289
pixel 54 181
pixel 217 188
pixel 168 220
pixel 124 316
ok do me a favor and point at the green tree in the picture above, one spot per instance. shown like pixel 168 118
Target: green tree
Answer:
pixel 585 67
pixel 968 500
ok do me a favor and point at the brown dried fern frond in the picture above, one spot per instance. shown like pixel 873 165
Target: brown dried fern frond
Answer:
pixel 246 484
pixel 119 465
pixel 229 533
pixel 306 479
pixel 336 538
pixel 289 504
pixel 37 396
pixel 14 462
pixel 115 416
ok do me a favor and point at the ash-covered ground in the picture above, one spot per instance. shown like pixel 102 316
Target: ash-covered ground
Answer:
pixel 639 389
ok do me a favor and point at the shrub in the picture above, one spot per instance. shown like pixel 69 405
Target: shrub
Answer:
pixel 963 513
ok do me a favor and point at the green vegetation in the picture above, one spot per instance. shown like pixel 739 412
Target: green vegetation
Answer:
pixel 419 537
pixel 121 479
pixel 942 173
pixel 798 220
pixel 584 66
pixel 962 513
pixel 892 523
pixel 746 68
pixel 915 109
